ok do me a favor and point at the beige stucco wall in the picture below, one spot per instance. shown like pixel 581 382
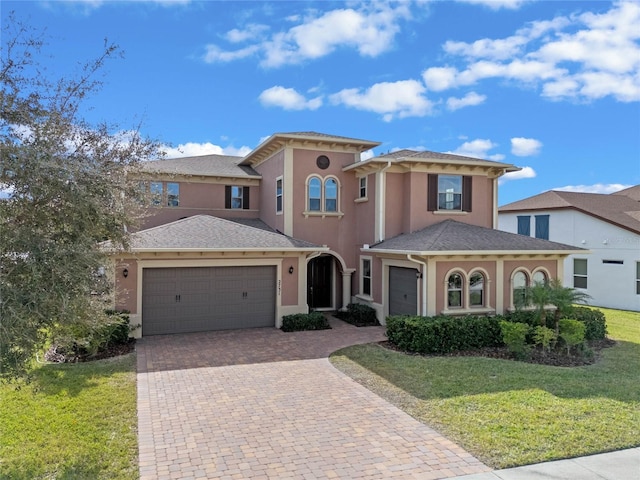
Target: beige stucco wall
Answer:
pixel 271 169
pixel 126 288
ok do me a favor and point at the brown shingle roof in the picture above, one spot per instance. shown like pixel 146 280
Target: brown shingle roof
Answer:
pixel 620 209
pixel 454 236
pixel 205 232
pixel 203 165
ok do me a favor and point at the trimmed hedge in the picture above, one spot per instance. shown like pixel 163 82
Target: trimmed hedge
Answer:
pixel 443 334
pixel 304 321
pixel 359 314
pixel 594 320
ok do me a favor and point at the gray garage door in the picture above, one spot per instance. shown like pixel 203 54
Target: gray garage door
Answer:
pixel 199 299
pixel 403 297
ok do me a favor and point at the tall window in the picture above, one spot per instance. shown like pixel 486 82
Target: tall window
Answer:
pixel 449 193
pixel 524 225
pixel 173 194
pixel 366 276
pixel 279 195
pixel 236 197
pixel 454 290
pixel 579 273
pixel 363 187
pixel 476 289
pixel 156 193
pixel 315 194
pixel 637 278
pixel 542 227
pixel 330 195
pixel 520 282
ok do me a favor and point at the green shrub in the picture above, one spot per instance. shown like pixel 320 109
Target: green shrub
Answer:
pixel 594 321
pixel 443 334
pixel 572 332
pixel 545 337
pixel 530 317
pixel 359 314
pixel 305 321
pixel 514 335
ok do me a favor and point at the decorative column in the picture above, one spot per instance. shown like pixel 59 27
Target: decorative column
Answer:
pixel 346 287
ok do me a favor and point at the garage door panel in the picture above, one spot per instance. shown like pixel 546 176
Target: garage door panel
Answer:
pixel 403 296
pixel 194 299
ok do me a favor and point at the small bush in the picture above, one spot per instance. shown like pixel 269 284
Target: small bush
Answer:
pixel 545 337
pixel 360 315
pixel 305 321
pixel 594 322
pixel 441 334
pixel 514 335
pixel 529 317
pixel 572 332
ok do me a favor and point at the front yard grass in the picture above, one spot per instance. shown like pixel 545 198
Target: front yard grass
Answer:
pixel 509 413
pixel 73 421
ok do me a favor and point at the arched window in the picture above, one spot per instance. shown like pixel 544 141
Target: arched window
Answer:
pixel 476 289
pixel 540 277
pixel 520 282
pixel 330 195
pixel 315 194
pixel 454 290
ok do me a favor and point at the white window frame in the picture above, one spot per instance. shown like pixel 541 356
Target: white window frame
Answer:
pixel 581 275
pixel 364 294
pixel 279 196
pixel 322 211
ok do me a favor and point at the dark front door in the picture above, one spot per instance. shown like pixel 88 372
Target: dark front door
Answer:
pixel 319 276
pixel 403 292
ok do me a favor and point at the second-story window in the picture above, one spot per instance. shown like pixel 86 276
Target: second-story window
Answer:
pixel 236 197
pixel 155 189
pixel 173 194
pixel 363 187
pixel 315 194
pixel 279 195
pixel 330 195
pixel 449 193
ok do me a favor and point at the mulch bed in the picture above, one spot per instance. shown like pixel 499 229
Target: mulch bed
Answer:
pixel 56 355
pixel 557 358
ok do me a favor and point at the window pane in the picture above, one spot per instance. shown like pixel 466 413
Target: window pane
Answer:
pixel 476 290
pixel 579 282
pixel 519 280
pixel 366 286
pixel 331 195
pixel 279 195
pixel 454 294
pixel 363 187
pixel 539 277
pixel 580 266
pixel 173 194
pixel 450 192
pixel 455 298
pixel 236 197
pixel 314 194
pixel 366 268
pixel 314 204
pixel 156 193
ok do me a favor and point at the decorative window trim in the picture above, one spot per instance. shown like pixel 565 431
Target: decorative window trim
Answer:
pixel 433 191
pixel 637 278
pixel 512 287
pixel 363 187
pixel 466 306
pixel 322 212
pixel 363 294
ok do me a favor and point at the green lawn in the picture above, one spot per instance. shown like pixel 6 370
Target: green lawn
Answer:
pixel 509 413
pixel 73 421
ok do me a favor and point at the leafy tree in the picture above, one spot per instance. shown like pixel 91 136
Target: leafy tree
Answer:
pixel 66 185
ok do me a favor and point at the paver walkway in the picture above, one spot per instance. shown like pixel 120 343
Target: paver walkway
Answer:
pixel 264 404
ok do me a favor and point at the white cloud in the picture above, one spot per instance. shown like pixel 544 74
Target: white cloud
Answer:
pixel 367 155
pixel 497 4
pixel 400 99
pixel 582 57
pixel 478 148
pixel 524 172
pixel 370 30
pixel 192 149
pixel 288 99
pixel 595 188
pixel 471 99
pixel 525 147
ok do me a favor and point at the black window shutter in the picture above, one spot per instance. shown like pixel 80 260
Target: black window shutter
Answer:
pixel 466 193
pixel 432 192
pixel 227 196
pixel 245 198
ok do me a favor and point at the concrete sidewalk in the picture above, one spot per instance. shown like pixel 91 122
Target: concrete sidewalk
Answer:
pixel 619 465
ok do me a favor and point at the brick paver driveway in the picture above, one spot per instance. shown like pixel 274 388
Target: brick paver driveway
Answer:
pixel 264 404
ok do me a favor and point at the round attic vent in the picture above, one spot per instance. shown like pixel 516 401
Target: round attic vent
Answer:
pixel 323 162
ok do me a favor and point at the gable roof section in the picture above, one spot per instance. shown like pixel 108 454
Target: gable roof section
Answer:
pixel 314 139
pixel 620 208
pixel 203 165
pixel 207 233
pixel 453 237
pixel 427 157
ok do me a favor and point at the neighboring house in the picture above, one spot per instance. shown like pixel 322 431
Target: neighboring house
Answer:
pixel 607 225
pixel 301 223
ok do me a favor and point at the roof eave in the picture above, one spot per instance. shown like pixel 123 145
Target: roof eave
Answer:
pixel 235 250
pixel 434 253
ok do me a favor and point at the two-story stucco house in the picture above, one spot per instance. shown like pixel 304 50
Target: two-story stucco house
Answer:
pixel 302 223
pixel 608 225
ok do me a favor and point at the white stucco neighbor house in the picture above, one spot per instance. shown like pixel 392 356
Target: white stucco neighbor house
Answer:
pixel 608 226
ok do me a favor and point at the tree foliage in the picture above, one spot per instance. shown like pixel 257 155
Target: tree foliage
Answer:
pixel 67 186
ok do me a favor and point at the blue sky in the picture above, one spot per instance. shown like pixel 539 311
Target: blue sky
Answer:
pixel 552 86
